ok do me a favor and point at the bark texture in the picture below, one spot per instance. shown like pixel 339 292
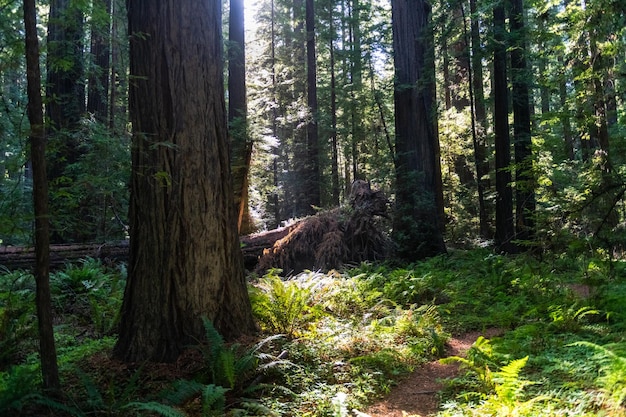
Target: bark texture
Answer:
pixel 47 349
pixel 184 257
pixel 504 194
pixel 418 223
pixel 524 176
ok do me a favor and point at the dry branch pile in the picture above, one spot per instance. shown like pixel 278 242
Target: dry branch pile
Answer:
pixel 330 239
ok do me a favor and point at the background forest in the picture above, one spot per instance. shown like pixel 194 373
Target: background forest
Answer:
pixel 573 72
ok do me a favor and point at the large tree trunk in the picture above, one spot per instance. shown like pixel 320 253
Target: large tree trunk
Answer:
pixel 47 349
pixel 524 175
pixel 418 226
pixel 504 193
pixel 184 261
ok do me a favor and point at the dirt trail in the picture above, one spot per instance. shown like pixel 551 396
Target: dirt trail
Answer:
pixel 417 395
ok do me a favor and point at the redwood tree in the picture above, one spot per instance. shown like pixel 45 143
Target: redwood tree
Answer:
pixel 241 146
pixel 418 222
pixel 312 164
pixel 524 177
pixel 185 262
pixel 504 194
pixel 47 349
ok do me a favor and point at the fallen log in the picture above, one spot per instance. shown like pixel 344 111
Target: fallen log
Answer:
pixel 324 241
pixel 23 257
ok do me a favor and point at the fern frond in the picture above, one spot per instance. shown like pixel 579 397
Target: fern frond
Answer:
pixel 613 372
pixel 182 390
pixel 214 339
pixel 155 407
pixel 508 382
pixel 214 398
pixel 255 408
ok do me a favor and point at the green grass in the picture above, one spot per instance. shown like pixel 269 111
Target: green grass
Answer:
pixel 336 342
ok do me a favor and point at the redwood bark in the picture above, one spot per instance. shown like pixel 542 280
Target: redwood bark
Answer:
pixel 504 194
pixel 418 225
pixel 47 349
pixel 524 176
pixel 185 262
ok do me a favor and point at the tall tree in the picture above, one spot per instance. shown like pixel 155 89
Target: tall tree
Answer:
pixel 99 77
pixel 333 108
pixel 504 193
pixel 524 175
pixel 479 118
pixel 418 223
pixel 237 114
pixel 65 105
pixel 312 185
pixel 47 349
pixel 184 259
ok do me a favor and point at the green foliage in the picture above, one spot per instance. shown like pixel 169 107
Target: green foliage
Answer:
pixel 570 318
pixel 219 358
pixel 284 306
pixel 91 292
pixel 612 378
pixel 89 200
pixel 361 331
pixel 17 315
pixel 18 387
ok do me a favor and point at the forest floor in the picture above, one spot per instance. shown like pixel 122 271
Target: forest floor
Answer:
pixel 418 394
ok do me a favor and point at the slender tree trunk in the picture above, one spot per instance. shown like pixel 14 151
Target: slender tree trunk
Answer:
pixel 478 130
pixel 47 349
pixel 480 127
pixel 313 165
pixel 185 262
pixel 418 226
pixel 447 82
pixel 333 112
pixel 505 231
pixel 568 139
pixel 356 78
pixel 99 75
pixel 241 146
pixel 459 49
pixel 524 176
pixel 276 150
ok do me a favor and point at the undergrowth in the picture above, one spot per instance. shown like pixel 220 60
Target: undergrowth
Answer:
pixel 330 344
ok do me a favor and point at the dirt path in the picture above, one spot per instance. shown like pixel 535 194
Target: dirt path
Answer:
pixel 417 395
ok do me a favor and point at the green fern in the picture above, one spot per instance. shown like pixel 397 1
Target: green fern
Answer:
pixel 480 360
pixel 613 370
pixel 284 306
pixel 214 400
pixel 181 391
pixel 219 358
pixel 509 385
pixel 17 387
pixel 155 407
